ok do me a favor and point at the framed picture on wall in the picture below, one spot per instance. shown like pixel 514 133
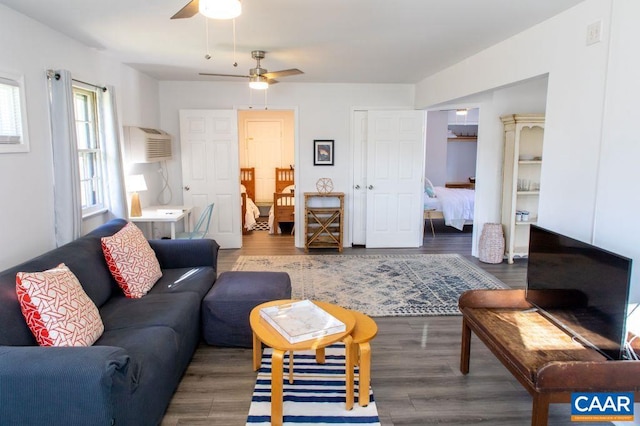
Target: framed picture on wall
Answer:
pixel 323 152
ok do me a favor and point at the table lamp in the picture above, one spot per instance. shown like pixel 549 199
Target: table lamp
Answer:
pixel 135 184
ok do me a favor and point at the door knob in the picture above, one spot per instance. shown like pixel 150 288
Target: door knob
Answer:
pixel 357 186
pixel 186 188
pixel 370 186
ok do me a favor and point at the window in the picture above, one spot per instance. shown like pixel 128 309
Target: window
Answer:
pixel 89 151
pixel 12 115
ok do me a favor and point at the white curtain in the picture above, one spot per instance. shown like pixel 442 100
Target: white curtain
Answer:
pixel 110 131
pixel 66 173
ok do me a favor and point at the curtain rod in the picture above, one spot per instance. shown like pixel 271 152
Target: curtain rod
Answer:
pixel 57 77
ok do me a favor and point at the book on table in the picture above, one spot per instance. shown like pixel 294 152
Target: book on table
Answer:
pixel 300 321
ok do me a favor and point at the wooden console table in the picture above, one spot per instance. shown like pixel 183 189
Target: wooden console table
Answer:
pixel 545 360
pixel 324 226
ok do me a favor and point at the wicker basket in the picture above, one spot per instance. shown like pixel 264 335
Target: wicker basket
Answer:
pixel 491 244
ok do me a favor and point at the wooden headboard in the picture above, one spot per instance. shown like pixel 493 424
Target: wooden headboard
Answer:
pixel 248 179
pixel 284 178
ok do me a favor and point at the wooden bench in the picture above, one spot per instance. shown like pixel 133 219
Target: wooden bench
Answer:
pixel 541 356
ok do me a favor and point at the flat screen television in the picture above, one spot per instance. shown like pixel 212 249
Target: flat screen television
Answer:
pixel 581 288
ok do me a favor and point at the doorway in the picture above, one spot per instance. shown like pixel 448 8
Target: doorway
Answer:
pixel 450 165
pixel 266 140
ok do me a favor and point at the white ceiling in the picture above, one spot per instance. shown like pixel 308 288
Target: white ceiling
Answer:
pixel 339 41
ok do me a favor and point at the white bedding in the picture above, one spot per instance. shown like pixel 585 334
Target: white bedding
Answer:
pixel 456 205
pixel 251 211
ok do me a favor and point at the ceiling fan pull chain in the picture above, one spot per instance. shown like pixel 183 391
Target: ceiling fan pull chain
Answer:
pixel 206 30
pixel 235 63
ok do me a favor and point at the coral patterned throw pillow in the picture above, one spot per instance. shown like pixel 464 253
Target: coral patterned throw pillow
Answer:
pixel 132 261
pixel 57 309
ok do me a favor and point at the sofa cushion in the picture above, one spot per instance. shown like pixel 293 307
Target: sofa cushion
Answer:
pixel 56 308
pixel 197 280
pixel 154 370
pixel 131 261
pixel 175 311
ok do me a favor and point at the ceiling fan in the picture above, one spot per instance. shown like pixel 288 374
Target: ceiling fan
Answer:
pixel 216 9
pixel 260 78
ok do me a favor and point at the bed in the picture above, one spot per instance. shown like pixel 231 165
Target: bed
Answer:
pixel 283 206
pixel 250 211
pixel 454 205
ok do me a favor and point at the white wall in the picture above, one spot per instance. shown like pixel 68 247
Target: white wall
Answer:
pixel 435 164
pixel 461 160
pixel 617 199
pixel 323 111
pixel 587 160
pixel 26 194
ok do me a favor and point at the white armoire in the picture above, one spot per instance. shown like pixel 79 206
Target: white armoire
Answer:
pixel 523 138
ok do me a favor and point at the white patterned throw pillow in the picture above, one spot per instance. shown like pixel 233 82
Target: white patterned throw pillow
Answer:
pixel 132 261
pixel 57 309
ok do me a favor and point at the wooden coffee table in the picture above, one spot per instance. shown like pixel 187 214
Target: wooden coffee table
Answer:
pixel 263 332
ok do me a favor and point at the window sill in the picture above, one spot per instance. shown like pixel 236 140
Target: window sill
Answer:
pixel 94 213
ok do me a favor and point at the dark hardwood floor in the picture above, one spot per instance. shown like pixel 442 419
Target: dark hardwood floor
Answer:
pixel 415 360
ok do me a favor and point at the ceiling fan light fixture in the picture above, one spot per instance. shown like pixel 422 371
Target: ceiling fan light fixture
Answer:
pixel 220 9
pixel 258 82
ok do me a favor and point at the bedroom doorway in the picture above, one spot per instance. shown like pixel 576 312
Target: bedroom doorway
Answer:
pixel 450 166
pixel 266 142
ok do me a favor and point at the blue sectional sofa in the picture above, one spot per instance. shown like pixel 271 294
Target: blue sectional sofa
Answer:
pixel 129 375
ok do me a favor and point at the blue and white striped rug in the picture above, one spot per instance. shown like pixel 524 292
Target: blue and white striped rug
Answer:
pixel 317 395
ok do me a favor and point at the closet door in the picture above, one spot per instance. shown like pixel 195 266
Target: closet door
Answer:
pixel 395 163
pixel 359 209
pixel 210 170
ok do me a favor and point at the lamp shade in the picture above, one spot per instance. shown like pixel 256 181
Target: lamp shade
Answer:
pixel 136 183
pixel 220 9
pixel 258 82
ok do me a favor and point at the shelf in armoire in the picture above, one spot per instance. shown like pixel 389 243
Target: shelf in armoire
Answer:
pixel 521 251
pixel 526 222
pixel 528 192
pixel 529 161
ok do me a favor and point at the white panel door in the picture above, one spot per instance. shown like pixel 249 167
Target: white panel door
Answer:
pixel 210 170
pixel 395 161
pixel 264 140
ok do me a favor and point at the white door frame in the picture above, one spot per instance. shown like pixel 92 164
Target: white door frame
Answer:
pixel 299 211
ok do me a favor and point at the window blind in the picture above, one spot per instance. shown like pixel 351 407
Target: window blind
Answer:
pixel 10 118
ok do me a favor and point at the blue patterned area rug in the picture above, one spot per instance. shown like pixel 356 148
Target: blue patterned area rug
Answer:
pixel 317 395
pixel 379 285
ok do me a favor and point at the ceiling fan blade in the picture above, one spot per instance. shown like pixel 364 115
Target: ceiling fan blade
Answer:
pixel 188 10
pixel 224 75
pixel 282 73
pixel 271 81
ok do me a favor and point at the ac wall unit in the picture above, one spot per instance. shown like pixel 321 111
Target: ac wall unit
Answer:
pixel 144 145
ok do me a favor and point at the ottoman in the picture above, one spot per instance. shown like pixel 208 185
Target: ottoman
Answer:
pixel 226 308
